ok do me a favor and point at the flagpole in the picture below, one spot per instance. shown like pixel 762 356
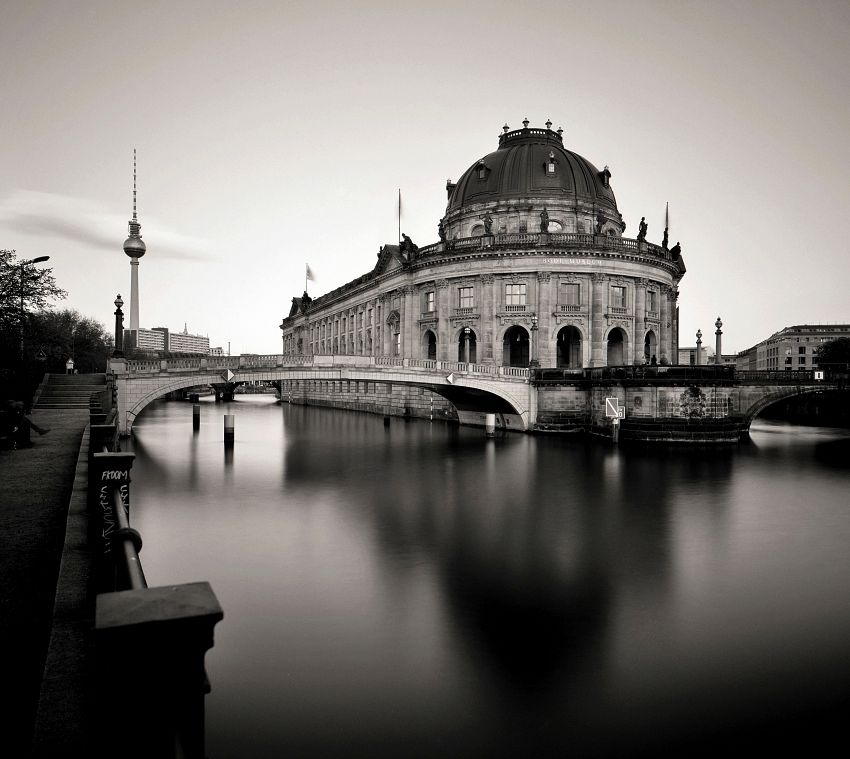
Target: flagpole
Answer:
pixel 399 215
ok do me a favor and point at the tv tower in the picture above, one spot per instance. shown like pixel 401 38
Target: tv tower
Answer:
pixel 134 247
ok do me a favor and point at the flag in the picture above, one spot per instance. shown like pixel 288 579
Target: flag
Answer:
pixel 310 276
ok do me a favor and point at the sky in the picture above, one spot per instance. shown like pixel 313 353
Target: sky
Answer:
pixel 272 135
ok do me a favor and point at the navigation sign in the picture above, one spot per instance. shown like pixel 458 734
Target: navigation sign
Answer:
pixel 451 378
pixel 611 407
pixel 819 375
pixel 621 412
pixel 228 375
pixel 41 355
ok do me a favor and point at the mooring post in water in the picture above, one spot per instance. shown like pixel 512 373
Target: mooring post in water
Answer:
pixel 615 429
pixel 196 416
pixel 490 425
pixel 386 421
pixel 229 425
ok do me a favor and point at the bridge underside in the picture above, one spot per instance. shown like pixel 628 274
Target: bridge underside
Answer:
pixel 472 398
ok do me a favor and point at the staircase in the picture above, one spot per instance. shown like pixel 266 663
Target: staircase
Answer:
pixel 69 390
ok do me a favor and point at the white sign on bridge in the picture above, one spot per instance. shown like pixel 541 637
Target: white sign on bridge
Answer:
pixel 612 408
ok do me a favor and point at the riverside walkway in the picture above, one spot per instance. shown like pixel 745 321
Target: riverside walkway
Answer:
pixel 36 486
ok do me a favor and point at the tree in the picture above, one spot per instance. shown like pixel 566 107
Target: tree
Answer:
pixel 24 290
pixel 834 355
pixel 67 334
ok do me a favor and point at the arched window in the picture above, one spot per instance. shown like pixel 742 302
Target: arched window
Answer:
pixel 650 346
pixel 616 347
pixel 515 347
pixel 429 345
pixel 477 230
pixel 466 346
pixel 569 348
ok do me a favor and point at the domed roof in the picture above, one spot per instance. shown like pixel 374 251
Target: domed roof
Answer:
pixel 521 168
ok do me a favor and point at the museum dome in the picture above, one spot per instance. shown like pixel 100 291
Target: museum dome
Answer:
pixel 533 163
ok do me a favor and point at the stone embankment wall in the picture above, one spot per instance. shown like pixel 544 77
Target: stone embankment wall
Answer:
pixel 384 398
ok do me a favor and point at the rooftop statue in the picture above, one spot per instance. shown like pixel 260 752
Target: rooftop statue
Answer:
pixel 642 229
pixel 544 221
pixel 600 220
pixel 407 248
pixel 676 251
pixel 441 231
pixel 488 223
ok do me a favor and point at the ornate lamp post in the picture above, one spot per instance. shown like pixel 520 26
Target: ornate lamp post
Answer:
pixel 118 351
pixel 534 361
pixel 23 265
pixel 717 356
pixel 699 347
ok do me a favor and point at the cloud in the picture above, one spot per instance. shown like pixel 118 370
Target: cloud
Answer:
pixel 79 220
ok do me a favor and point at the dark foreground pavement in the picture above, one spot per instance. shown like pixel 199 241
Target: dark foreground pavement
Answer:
pixel 35 492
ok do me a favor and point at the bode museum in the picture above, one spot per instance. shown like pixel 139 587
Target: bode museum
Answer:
pixel 531 268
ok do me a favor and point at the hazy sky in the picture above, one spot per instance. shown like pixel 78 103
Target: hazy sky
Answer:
pixel 275 134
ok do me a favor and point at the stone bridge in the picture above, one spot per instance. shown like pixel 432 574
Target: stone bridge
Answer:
pixel 696 404
pixel 473 389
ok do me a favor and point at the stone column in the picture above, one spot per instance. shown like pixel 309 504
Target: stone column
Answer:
pixel 444 338
pixel 717 339
pixel 543 310
pixel 410 323
pixel 486 347
pixel 598 351
pixel 640 320
pixel 665 343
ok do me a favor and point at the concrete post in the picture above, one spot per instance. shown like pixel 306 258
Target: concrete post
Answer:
pixel 229 428
pixel 149 648
pixel 196 416
pixel 699 348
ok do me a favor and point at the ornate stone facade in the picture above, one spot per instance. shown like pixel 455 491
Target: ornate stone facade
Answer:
pixel 594 297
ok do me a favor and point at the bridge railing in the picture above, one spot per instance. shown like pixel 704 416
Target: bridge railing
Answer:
pixel 328 361
pixel 164 632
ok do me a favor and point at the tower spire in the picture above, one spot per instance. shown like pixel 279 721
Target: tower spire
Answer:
pixel 666 225
pixel 134 184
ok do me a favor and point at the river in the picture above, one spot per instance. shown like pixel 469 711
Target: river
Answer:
pixel 419 590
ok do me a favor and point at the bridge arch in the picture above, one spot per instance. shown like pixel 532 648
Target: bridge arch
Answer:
pixel 777 395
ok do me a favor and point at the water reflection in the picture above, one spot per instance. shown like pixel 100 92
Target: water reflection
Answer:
pixel 419 590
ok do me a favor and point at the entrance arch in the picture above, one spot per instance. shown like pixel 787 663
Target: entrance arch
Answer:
pixel 429 345
pixel 516 347
pixel 616 347
pixel 650 346
pixel 464 338
pixel 569 348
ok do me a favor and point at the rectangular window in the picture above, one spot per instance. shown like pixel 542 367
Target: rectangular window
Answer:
pixel 801 350
pixel 618 296
pixel 429 302
pixel 801 360
pixel 369 317
pixel 398 343
pixel 523 227
pixel 465 297
pixel 569 294
pixel 515 295
pixel 651 300
pixel 788 361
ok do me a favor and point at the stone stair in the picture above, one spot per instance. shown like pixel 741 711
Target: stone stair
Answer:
pixel 69 390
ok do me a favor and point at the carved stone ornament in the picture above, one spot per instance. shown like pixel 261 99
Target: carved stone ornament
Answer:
pixel 463 321
pixel 569 279
pixel 487 279
pixel 597 277
pixel 467 321
pixel 409 289
pixel 430 322
pixel 544 276
pixel 569 319
pixel 642 282
pixel 442 284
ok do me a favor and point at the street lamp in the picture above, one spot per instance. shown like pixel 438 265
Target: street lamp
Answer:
pixel 22 264
pixel 534 361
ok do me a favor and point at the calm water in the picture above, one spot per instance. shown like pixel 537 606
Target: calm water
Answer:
pixel 422 591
